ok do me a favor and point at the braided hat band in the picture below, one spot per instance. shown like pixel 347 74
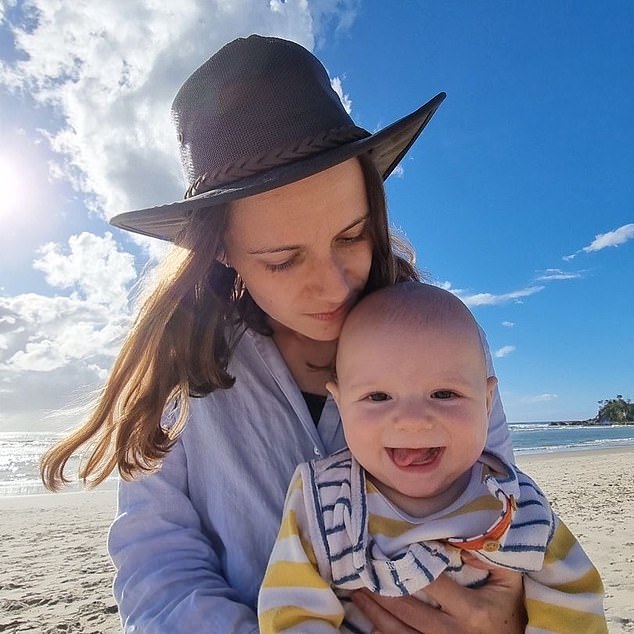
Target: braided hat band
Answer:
pixel 265 161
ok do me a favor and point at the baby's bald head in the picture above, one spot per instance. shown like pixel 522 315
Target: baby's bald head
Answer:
pixel 411 306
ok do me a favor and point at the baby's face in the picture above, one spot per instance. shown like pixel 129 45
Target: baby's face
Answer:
pixel 414 406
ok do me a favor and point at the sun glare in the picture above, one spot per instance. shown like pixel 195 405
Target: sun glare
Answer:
pixel 10 189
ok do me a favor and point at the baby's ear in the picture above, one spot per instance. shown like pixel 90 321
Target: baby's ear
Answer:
pixel 491 383
pixel 333 388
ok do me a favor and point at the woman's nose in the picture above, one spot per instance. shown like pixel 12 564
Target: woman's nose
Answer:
pixel 331 280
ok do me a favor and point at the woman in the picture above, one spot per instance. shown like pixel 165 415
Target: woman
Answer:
pixel 219 390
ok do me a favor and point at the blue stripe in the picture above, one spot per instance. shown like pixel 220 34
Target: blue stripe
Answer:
pixel 340 500
pixel 435 553
pixel 333 483
pixel 318 510
pixel 553 521
pixel 397 581
pixel 523 548
pixel 530 523
pixel 341 554
pixel 525 503
pixel 532 486
pixel 375 579
pixel 345 462
pixel 364 507
pixel 341 580
pixel 425 571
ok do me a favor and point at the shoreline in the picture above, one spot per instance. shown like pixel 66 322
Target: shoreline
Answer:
pixel 109 487
pixel 59 576
pixel 538 454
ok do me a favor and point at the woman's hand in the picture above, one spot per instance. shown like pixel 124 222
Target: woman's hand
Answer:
pixel 497 606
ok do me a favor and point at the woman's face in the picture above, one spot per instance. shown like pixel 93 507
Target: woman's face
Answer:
pixel 304 250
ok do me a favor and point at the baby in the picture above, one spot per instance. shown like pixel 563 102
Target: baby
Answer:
pixel 415 487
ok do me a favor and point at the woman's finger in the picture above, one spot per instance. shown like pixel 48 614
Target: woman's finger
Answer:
pixel 497 606
pixel 379 610
pixel 405 615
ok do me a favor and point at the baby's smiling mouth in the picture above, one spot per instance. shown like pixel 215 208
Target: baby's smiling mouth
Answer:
pixel 403 457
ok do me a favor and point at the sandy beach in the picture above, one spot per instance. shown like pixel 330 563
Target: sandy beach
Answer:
pixel 57 576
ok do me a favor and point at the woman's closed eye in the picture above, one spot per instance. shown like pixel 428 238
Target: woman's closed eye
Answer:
pixel 358 237
pixel 280 266
pixel 356 234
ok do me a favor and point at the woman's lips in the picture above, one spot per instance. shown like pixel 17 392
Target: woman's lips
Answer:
pixel 405 458
pixel 338 313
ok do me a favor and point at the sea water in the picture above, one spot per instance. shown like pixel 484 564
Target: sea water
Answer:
pixel 543 437
pixel 20 452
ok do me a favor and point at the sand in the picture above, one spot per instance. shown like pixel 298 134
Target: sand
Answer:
pixel 56 575
pixel 593 492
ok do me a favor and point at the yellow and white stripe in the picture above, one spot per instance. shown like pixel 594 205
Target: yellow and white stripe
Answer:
pixel 339 534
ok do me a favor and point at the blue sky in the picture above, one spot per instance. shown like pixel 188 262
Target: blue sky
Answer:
pixel 519 196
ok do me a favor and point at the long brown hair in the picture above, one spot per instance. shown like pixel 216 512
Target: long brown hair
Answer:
pixel 181 343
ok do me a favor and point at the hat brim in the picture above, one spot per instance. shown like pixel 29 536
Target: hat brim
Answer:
pixel 386 148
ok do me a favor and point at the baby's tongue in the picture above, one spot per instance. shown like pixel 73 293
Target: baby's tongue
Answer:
pixel 407 457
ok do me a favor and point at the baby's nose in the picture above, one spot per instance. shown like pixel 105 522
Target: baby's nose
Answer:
pixel 413 419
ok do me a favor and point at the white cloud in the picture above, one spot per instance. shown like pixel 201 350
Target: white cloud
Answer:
pixel 504 351
pixel 345 99
pixel 603 240
pixel 540 398
pixel 611 238
pixel 490 299
pixel 4 6
pixel 56 347
pixel 330 14
pixel 399 171
pixel 91 264
pixel 558 274
pixel 111 69
pixel 508 324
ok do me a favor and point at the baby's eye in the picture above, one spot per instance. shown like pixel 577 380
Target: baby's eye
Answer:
pixel 378 397
pixel 444 394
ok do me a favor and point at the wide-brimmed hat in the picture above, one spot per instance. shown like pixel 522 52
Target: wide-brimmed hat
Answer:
pixel 259 114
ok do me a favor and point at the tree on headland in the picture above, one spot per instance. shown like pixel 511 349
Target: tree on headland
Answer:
pixel 615 410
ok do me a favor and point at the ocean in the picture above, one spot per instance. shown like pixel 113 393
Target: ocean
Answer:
pixel 20 451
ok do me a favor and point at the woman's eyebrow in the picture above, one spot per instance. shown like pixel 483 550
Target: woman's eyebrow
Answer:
pixel 294 247
pixel 290 247
pixel 354 223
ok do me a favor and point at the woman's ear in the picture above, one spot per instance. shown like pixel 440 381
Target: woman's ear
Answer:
pixel 223 259
pixel 333 388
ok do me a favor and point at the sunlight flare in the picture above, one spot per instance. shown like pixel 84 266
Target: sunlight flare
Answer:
pixel 10 187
